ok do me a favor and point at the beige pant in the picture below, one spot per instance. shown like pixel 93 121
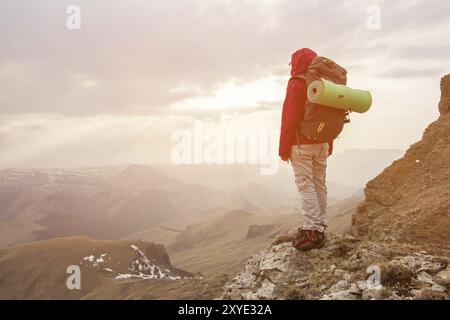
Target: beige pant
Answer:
pixel 310 163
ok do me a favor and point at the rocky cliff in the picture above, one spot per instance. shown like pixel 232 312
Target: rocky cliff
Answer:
pixel 400 242
pixel 410 200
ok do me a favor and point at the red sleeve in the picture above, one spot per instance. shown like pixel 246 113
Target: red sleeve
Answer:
pixel 330 148
pixel 293 107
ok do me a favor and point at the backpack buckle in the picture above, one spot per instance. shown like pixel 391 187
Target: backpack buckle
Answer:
pixel 320 127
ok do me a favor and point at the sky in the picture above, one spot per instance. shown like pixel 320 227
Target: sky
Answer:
pixel 115 90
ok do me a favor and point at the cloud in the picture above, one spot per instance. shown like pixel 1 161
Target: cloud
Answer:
pixel 424 52
pixel 408 73
pixel 111 91
pixel 137 52
pixel 70 141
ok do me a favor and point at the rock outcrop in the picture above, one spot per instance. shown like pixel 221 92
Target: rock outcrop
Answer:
pixel 444 104
pixel 410 200
pixel 346 269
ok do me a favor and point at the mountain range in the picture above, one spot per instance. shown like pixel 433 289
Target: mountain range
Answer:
pixel 229 242
pixel 113 202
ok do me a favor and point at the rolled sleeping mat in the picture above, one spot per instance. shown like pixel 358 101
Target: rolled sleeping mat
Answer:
pixel 338 96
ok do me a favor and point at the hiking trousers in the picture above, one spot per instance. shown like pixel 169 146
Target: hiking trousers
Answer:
pixel 309 162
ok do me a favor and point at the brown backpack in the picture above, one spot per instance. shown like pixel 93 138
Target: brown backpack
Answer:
pixel 322 123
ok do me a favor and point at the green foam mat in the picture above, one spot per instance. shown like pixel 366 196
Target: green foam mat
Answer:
pixel 338 96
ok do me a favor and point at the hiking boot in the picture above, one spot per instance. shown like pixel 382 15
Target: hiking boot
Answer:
pixel 309 239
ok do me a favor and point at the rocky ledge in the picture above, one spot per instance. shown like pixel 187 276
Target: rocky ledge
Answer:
pixel 345 269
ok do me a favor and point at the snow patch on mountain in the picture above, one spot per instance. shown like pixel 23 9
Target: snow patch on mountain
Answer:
pixel 141 267
pixel 96 262
pixel 144 268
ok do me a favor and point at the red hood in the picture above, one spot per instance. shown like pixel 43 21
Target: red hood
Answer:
pixel 300 61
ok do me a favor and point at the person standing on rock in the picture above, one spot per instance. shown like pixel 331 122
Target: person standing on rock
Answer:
pixel 308 158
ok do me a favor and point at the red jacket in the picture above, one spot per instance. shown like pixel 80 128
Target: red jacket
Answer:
pixel 294 104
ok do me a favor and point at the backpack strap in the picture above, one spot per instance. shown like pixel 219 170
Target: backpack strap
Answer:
pixel 298 76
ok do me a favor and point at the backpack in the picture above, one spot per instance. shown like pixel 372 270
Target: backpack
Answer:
pixel 322 123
